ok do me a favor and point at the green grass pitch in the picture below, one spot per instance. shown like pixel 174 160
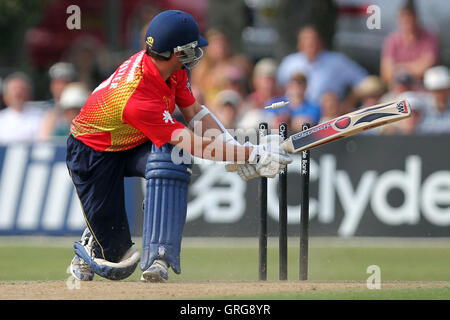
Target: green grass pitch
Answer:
pixel 27 262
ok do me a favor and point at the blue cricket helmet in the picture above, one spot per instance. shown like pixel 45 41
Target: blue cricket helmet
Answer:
pixel 176 31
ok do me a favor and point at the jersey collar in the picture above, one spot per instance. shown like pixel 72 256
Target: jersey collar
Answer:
pixel 154 73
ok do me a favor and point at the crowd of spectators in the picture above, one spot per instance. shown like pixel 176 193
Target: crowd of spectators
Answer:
pixel 322 84
pixel 24 120
pixel 319 84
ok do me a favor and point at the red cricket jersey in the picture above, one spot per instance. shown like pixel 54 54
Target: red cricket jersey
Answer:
pixel 133 105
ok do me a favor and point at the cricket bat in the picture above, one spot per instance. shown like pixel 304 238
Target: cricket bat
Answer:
pixel 347 125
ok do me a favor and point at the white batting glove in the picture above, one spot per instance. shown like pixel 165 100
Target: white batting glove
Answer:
pixel 246 171
pixel 269 157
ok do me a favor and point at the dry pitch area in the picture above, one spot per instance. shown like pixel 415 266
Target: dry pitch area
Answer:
pixel 59 290
pixel 338 270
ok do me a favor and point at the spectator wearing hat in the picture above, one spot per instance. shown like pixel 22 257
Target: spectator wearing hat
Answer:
pixel 265 88
pixel 72 99
pixel 19 121
pixel 369 91
pixel 436 118
pixel 402 82
pixel 264 84
pixel 61 74
pixel 402 88
pixel 326 70
pixel 411 49
pixel 299 110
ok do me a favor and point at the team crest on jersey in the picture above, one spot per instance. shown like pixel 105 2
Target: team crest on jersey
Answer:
pixel 167 117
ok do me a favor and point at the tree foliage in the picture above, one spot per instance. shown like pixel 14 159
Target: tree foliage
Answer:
pixel 16 16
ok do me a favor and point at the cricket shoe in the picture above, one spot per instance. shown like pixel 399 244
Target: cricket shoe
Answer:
pixel 157 272
pixel 79 268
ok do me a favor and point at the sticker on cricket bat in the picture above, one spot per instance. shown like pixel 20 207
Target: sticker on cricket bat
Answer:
pixel 347 125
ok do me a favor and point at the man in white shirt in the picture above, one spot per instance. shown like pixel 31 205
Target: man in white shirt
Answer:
pixel 326 71
pixel 18 122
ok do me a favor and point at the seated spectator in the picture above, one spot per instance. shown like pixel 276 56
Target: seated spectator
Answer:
pixel 264 89
pixel 325 70
pixel 18 121
pixel 402 89
pixel 410 49
pixel 91 60
pixel 436 119
pixel 299 110
pixel 263 83
pixel 370 91
pixel 57 123
pixel 234 78
pixel 226 107
pixel 401 83
pixel 330 107
pixel 409 125
pixel 61 74
pixel 220 68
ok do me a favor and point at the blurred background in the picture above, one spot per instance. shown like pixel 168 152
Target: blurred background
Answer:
pixel 327 57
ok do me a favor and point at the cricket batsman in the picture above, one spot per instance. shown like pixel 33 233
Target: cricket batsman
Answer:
pixel 126 129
